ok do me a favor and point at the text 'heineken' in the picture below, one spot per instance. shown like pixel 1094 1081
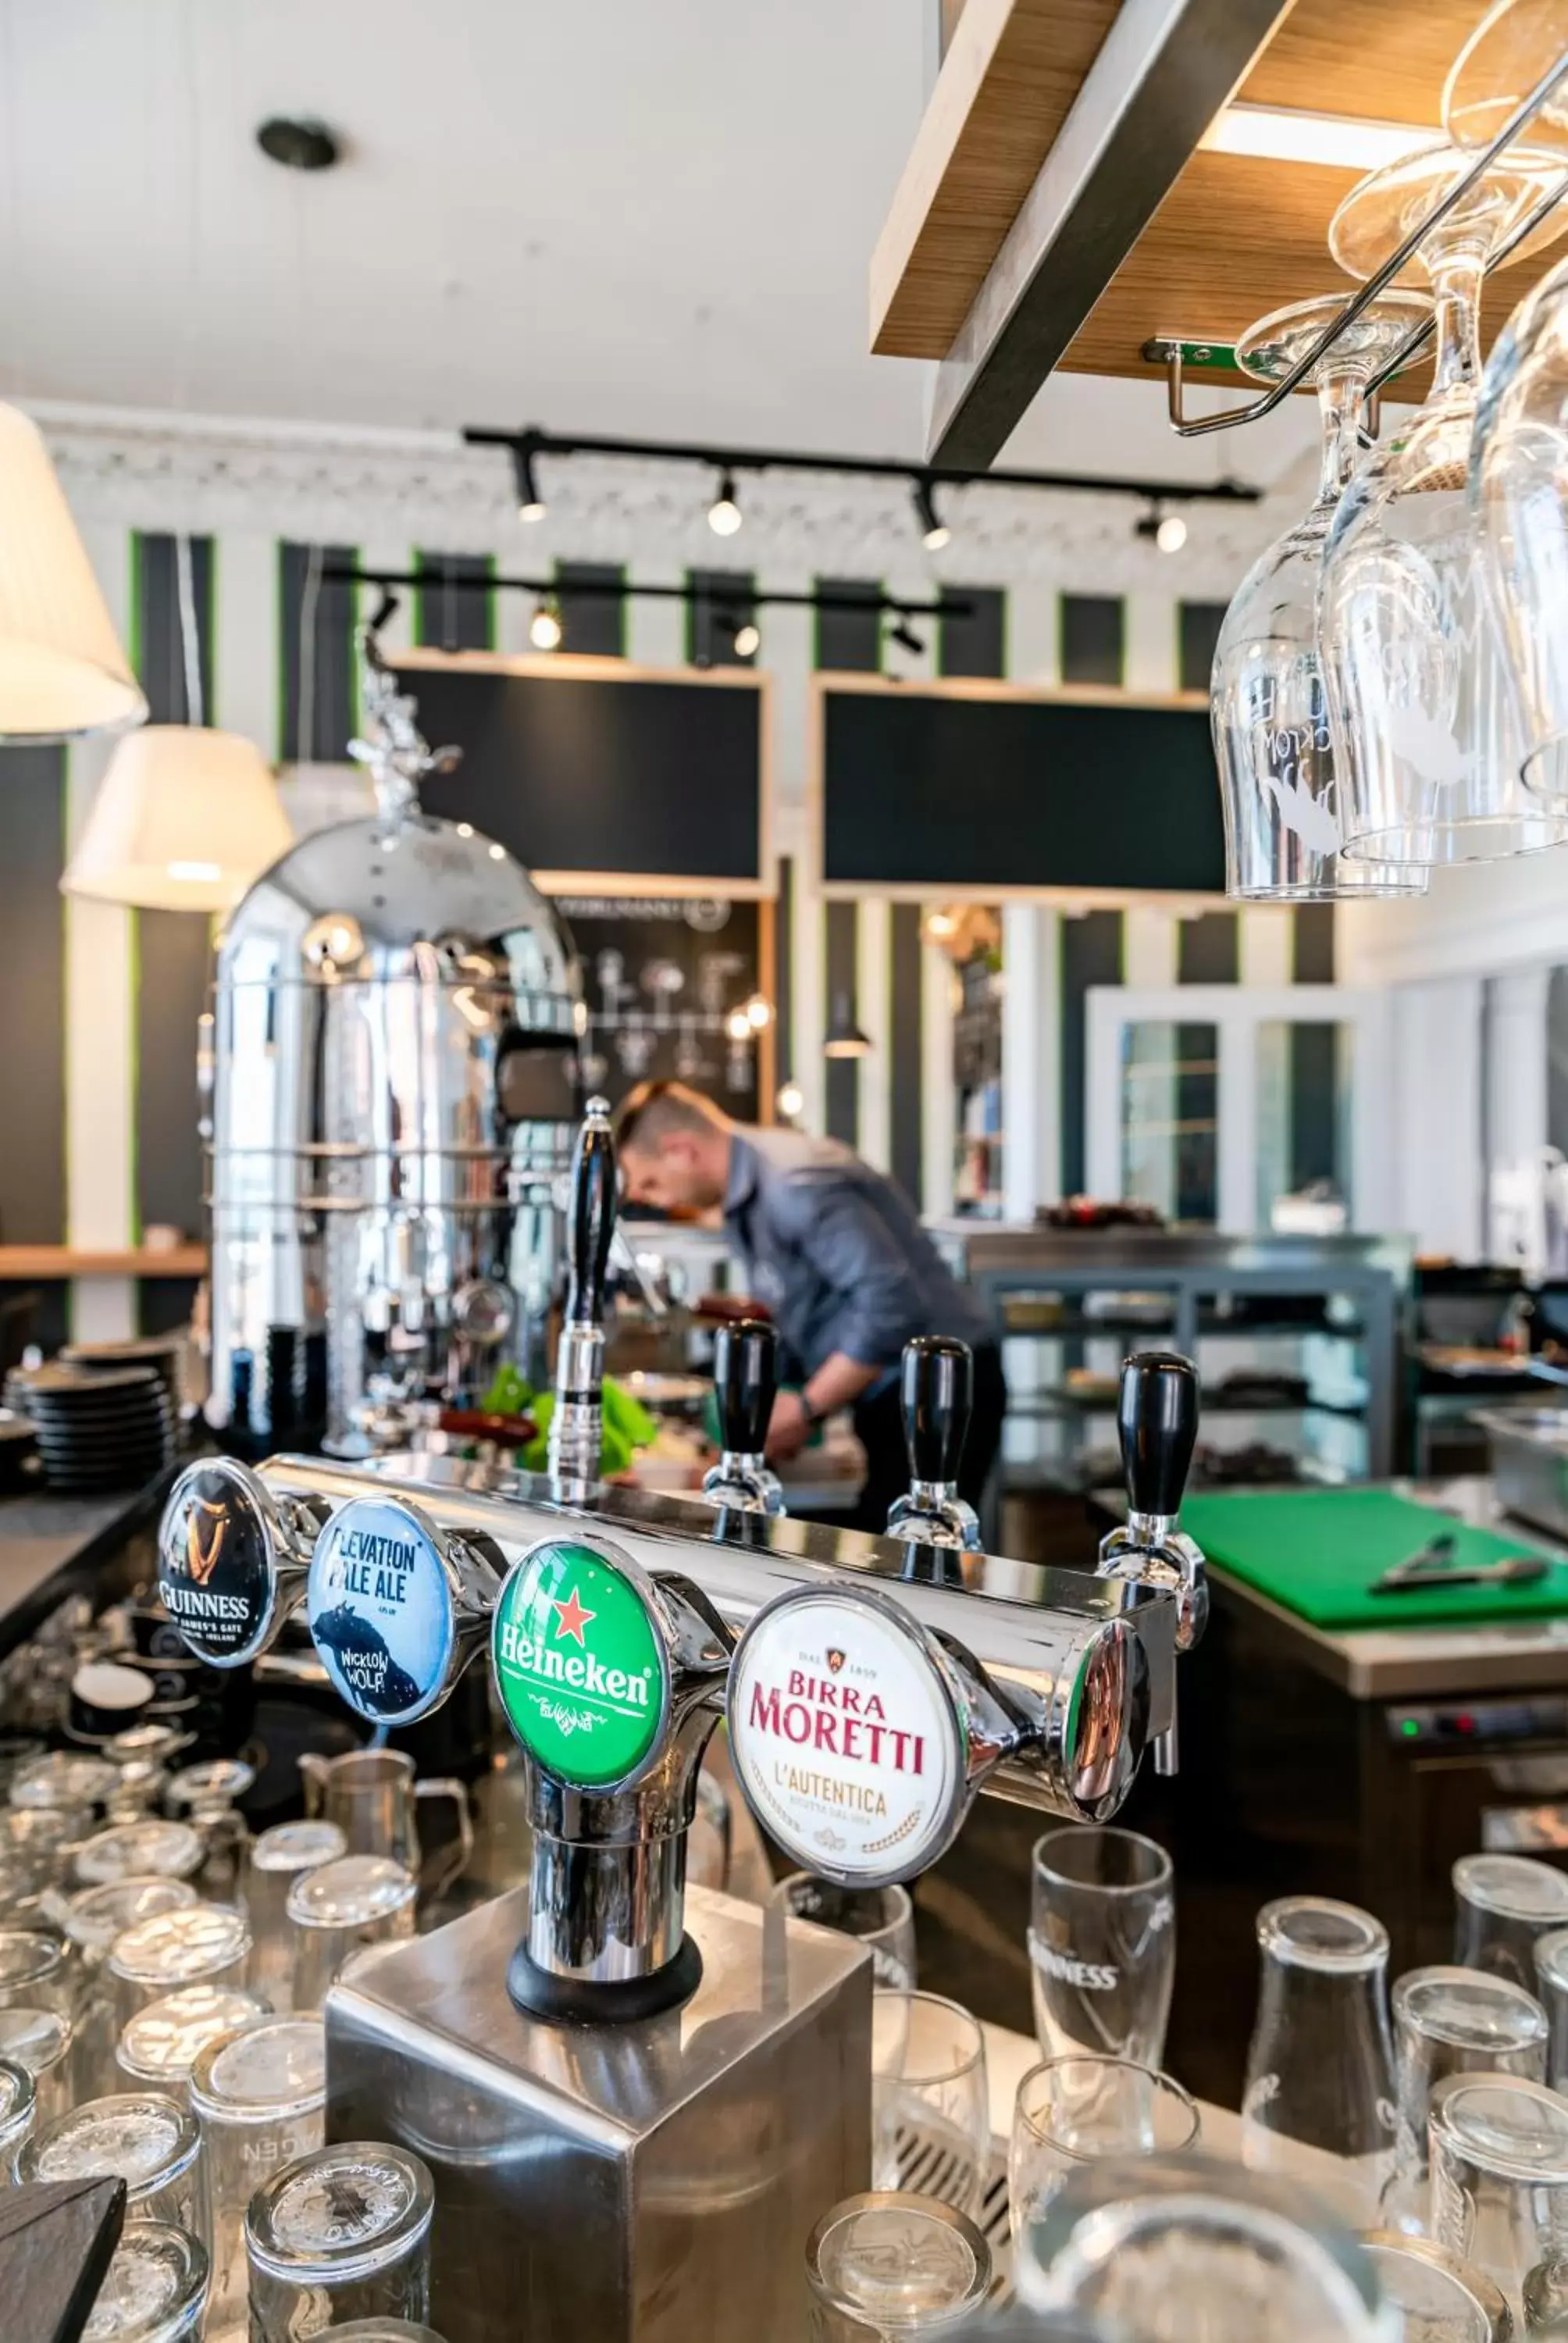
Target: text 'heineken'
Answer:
pixel 579 1665
pixel 844 1735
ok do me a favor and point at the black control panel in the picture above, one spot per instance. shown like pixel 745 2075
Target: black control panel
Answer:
pixel 1451 1724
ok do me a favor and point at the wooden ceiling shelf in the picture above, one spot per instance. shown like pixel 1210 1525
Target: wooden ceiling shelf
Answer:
pixel 1058 210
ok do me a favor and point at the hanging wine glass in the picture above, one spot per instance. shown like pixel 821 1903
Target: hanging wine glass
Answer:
pixel 1277 783
pixel 1518 459
pixel 1423 710
pixel 1507 57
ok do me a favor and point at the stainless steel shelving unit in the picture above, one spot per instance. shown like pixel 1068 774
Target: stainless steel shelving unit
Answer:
pixel 1215 1289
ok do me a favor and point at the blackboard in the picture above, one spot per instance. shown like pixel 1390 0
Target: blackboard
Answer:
pixel 660 978
pixel 924 788
pixel 601 769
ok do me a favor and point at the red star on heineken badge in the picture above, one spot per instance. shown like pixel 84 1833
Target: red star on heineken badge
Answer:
pixel 571 1618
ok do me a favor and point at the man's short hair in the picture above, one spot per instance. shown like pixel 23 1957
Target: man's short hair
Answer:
pixel 655 1110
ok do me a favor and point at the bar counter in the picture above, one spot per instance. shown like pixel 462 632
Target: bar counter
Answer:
pixel 53 1546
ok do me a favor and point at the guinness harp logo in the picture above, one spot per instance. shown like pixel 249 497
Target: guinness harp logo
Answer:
pixel 201 1560
pixel 835 1661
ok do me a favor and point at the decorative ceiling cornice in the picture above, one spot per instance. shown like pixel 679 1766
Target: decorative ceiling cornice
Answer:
pixel 375 488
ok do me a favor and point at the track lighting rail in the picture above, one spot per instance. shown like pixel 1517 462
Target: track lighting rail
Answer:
pixel 1172 353
pixel 531 442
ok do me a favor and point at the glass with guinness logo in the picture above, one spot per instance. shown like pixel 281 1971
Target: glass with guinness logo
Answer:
pixel 1101 1943
pixel 361 1899
pixel 930 2110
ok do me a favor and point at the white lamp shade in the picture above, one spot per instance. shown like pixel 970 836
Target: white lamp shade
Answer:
pixel 62 668
pixel 184 820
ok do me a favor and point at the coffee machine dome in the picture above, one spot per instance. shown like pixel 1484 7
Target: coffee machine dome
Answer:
pixel 394 1077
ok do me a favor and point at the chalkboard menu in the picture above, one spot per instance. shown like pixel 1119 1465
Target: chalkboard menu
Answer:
pixel 595 768
pixel 941 791
pixel 662 978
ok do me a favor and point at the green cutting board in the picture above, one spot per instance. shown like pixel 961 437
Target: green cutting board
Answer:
pixel 1316 1551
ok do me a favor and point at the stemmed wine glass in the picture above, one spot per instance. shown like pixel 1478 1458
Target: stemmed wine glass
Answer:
pixel 1519 459
pixel 1422 709
pixel 1510 54
pixel 1277 781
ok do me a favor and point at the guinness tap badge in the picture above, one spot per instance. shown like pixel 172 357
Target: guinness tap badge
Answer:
pixel 217 1562
pixel 847 1735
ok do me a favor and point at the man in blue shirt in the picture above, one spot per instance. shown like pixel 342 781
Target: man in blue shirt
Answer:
pixel 839 1256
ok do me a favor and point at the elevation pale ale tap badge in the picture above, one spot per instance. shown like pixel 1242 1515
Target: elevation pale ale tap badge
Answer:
pixel 215 1564
pixel 380 1609
pixel 580 1664
pixel 845 1736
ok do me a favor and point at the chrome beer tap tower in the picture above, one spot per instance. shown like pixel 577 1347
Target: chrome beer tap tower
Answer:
pixel 1157 1426
pixel 745 1385
pixel 936 1392
pixel 637 2097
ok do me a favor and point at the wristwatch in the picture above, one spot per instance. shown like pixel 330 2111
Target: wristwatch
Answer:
pixel 814 1414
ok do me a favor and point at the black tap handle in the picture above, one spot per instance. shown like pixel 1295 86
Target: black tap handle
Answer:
pixel 1157 1423
pixel 937 1392
pixel 745 1380
pixel 590 1216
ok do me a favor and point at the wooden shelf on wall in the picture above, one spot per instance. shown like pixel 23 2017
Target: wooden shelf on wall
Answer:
pixel 18 1262
pixel 1184 241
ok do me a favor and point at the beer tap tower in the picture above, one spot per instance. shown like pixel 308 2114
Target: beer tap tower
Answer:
pixel 935 1390
pixel 1157 1426
pixel 577 1425
pixel 745 1384
pixel 637 2097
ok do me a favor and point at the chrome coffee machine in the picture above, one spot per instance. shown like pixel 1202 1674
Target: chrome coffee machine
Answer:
pixel 395 1031
pixel 636 2097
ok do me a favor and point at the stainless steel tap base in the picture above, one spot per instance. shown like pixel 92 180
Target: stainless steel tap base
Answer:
pixel 606 1914
pixel 653 2182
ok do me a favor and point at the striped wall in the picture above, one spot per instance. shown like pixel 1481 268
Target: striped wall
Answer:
pixel 97 1056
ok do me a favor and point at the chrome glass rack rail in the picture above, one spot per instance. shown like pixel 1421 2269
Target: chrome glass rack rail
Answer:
pixel 1172 350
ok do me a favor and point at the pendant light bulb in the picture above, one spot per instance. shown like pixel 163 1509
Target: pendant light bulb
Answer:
pixel 544 628
pixel 724 514
pixel 934 531
pixel 790 1101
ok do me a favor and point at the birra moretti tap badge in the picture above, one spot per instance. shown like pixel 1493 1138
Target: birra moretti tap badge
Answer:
pixel 844 1736
pixel 216 1572
pixel 380 1609
pixel 580 1664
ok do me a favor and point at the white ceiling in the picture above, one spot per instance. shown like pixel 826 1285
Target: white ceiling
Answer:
pixel 649 216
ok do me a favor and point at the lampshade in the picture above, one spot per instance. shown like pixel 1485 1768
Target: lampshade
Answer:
pixel 844 1038
pixel 62 670
pixel 184 820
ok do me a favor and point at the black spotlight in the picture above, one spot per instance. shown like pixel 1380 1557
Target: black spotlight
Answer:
pixel 299 144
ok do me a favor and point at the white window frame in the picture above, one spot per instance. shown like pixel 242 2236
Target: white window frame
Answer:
pixel 1236 1011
